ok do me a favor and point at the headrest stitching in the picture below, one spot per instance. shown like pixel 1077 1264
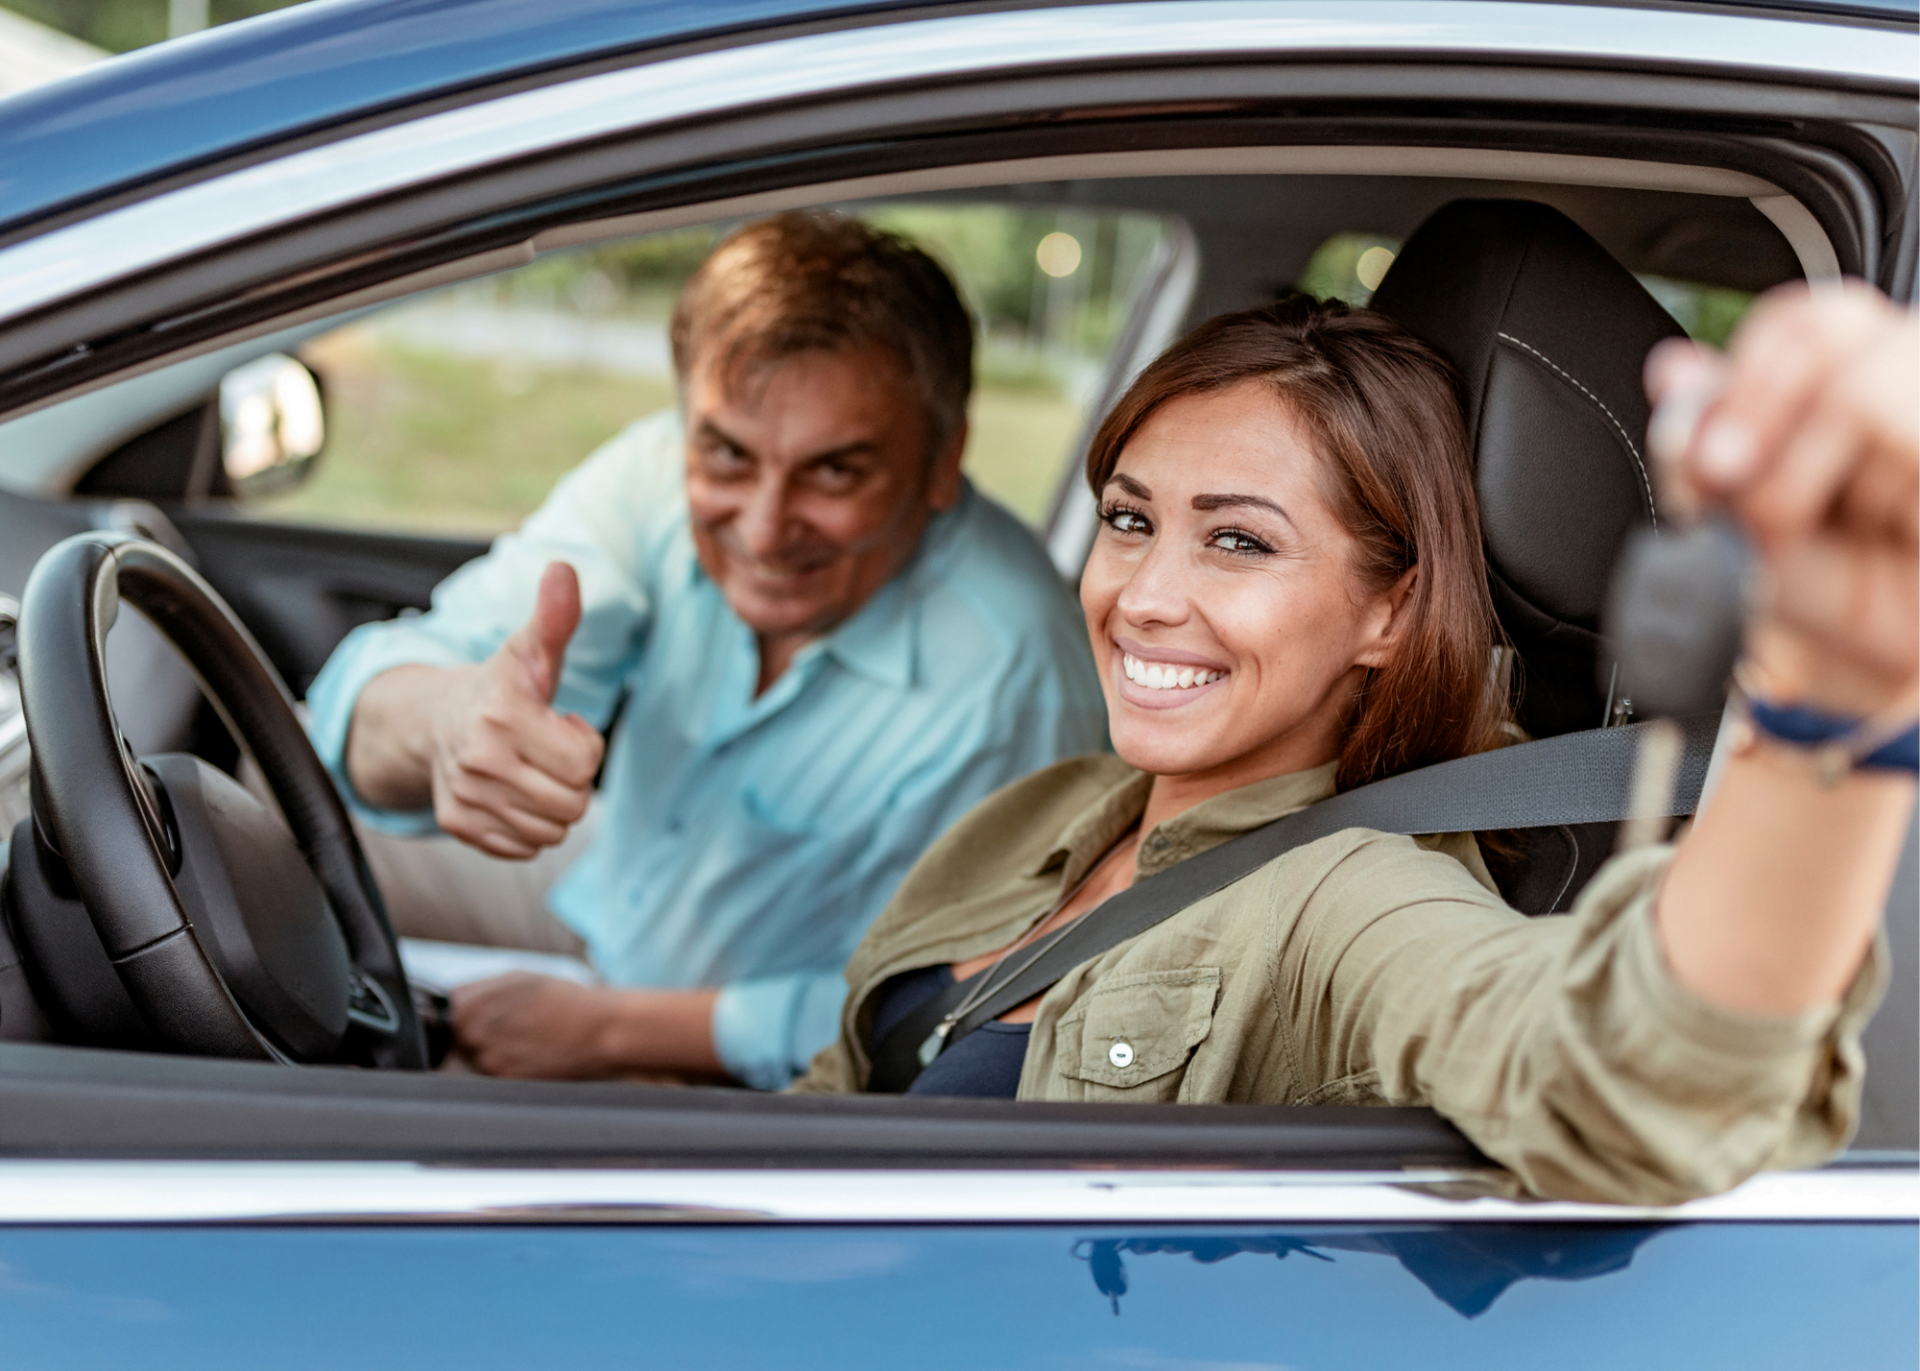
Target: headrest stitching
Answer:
pixel 1645 483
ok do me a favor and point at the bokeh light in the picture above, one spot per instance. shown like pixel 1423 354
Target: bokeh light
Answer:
pixel 1371 269
pixel 1058 254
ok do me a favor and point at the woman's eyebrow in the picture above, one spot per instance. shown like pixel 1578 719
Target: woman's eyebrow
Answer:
pixel 1131 486
pixel 1209 502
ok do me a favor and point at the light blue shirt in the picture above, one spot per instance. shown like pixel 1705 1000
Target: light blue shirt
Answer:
pixel 746 843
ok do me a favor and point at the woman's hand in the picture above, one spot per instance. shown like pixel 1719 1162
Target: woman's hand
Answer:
pixel 1812 442
pixel 545 1028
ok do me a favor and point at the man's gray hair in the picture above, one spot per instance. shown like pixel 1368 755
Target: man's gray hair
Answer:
pixel 813 281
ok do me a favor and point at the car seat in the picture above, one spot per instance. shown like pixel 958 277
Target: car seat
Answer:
pixel 1549 334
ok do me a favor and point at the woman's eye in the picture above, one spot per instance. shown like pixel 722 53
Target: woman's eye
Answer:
pixel 1123 520
pixel 1233 540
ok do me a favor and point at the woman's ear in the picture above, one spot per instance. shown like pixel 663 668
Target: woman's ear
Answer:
pixel 1386 620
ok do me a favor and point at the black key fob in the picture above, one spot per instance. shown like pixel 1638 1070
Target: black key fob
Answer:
pixel 1675 617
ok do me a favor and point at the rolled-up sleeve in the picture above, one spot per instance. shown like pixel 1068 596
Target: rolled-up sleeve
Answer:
pixel 607 519
pixel 1564 1046
pixel 766 1029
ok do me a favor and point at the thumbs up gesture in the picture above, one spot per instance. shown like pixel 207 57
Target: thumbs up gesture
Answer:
pixel 509 774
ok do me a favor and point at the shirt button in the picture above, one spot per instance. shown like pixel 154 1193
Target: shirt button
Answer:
pixel 1121 1055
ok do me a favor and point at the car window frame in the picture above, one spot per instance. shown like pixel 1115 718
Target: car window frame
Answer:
pixel 353 281
pixel 45 349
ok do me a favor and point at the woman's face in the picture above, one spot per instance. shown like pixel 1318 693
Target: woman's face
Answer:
pixel 1229 627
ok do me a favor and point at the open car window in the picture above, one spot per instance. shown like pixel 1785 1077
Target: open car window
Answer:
pixel 1351 265
pixel 451 409
pixel 456 412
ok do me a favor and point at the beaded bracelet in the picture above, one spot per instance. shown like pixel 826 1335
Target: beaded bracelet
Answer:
pixel 1839 744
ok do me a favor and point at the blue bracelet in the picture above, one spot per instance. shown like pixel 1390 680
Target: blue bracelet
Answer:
pixel 1802 727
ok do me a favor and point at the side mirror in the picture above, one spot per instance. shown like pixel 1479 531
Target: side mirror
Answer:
pixel 272 425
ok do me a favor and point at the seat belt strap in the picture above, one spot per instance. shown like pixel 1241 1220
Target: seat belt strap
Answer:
pixel 1575 778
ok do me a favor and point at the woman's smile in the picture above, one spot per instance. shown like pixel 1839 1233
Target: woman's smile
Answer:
pixel 1162 678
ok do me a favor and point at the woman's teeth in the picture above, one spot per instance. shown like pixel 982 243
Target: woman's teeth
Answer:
pixel 1155 676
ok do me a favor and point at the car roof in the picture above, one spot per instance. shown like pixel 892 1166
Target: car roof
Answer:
pixel 165 110
pixel 175 105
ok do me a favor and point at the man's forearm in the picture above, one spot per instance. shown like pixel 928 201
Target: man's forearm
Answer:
pixel 389 752
pixel 663 1030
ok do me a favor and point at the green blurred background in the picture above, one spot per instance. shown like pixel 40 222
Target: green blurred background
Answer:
pixel 121 25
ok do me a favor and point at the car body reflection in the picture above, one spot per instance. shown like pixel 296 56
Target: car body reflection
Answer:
pixel 1467 1268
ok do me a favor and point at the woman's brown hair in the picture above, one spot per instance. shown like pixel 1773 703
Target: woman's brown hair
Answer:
pixel 1383 411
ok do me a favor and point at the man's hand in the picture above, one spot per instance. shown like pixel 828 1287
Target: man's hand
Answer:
pixel 1810 441
pixel 503 771
pixel 543 1028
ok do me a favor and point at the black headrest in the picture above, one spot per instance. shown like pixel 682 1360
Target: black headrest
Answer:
pixel 1549 333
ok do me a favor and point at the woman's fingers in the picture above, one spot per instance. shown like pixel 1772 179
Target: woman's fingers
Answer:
pixel 1677 364
pixel 1858 604
pixel 1814 395
pixel 1682 379
pixel 1783 359
pixel 1813 442
pixel 1805 476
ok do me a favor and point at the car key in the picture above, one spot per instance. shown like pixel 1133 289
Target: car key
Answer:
pixel 1676 611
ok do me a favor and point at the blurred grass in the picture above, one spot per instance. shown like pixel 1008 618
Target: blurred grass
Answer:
pixel 428 441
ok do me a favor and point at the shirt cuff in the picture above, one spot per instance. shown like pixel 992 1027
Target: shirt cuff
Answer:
pixel 1716 1037
pixel 1779 1091
pixel 364 654
pixel 766 1030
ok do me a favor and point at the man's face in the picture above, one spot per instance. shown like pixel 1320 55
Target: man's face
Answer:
pixel 809 484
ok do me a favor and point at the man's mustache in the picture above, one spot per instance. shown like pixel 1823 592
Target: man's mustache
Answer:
pixel 793 560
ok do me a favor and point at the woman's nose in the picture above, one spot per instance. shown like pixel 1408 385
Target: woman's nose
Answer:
pixel 1157 592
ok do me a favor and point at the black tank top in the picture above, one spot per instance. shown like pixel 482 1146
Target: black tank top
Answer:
pixel 984 1064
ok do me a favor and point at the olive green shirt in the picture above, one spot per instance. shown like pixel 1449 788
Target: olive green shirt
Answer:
pixel 1367 968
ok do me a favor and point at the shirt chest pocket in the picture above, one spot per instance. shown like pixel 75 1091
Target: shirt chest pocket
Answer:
pixel 1133 1033
pixel 782 813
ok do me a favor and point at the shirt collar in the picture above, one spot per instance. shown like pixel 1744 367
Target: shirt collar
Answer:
pixel 1208 824
pixel 881 641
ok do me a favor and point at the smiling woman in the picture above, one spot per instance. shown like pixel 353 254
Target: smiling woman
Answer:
pixel 1307 460
pixel 1286 599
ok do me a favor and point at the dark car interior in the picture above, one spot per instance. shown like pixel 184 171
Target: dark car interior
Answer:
pixel 1532 289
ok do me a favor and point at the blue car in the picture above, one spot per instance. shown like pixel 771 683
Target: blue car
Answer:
pixel 293 312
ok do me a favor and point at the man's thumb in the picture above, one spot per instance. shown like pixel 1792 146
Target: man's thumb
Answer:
pixel 556 613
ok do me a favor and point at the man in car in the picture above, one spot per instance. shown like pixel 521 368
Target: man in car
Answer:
pixel 809 643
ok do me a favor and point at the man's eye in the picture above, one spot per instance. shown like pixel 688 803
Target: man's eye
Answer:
pixel 722 457
pixel 835 477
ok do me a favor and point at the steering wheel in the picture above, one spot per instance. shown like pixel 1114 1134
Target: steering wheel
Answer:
pixel 209 928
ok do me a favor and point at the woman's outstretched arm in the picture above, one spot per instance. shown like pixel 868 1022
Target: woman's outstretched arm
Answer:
pixel 1813 445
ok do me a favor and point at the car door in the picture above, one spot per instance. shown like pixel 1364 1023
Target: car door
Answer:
pixel 742 1230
